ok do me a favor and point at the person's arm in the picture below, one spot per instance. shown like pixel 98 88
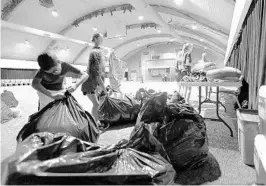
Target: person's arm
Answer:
pixel 188 59
pixel 36 84
pixel 82 76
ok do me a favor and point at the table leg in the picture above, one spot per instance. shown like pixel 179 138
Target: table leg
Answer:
pixel 199 100
pixel 217 112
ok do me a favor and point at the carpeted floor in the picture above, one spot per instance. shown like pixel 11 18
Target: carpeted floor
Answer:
pixel 223 147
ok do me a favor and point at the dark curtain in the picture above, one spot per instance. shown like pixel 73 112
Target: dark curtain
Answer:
pixel 17 73
pixel 24 73
pixel 249 52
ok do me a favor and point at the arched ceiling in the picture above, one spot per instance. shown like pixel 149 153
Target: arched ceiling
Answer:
pixel 205 23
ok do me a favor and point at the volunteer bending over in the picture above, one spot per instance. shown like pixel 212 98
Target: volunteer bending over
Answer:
pixel 49 79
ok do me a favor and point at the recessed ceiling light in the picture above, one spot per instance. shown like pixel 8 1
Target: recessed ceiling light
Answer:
pixel 55 13
pixel 178 2
pixel 26 42
pixel 141 18
pixel 194 27
pixel 138 44
pixel 94 29
pixel 159 31
pixel 201 40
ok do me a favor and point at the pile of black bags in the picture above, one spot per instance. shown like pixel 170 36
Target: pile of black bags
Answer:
pixel 179 128
pixel 63 116
pixel 59 144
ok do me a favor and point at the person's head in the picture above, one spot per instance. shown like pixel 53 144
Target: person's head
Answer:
pixel 204 56
pixel 49 64
pixel 187 48
pixel 97 39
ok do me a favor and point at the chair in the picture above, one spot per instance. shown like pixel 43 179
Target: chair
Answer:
pixel 19 82
pixel 29 82
pixel 8 82
pixel 3 82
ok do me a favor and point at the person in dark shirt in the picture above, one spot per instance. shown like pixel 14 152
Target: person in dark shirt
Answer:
pixel 96 71
pixel 49 79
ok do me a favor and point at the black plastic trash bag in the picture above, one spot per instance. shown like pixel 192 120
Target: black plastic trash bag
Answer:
pixel 183 135
pixel 64 116
pixel 118 111
pixel 152 109
pixel 142 140
pixel 45 158
pixel 179 128
pixel 177 98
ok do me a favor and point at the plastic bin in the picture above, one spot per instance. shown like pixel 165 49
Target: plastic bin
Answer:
pixel 262 110
pixel 248 121
pixel 260 159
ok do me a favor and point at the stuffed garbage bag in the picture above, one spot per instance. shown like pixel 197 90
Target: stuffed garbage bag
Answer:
pixel 152 109
pixel 118 111
pixel 183 136
pixel 179 128
pixel 46 158
pixel 64 116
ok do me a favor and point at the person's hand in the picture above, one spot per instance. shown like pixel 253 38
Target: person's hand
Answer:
pixel 59 95
pixel 72 88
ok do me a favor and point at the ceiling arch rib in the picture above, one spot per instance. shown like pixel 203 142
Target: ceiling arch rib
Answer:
pixel 209 45
pixel 134 51
pixel 144 8
pixel 90 15
pixel 168 36
pixel 183 30
pixel 199 20
pixel 9 7
pixel 142 37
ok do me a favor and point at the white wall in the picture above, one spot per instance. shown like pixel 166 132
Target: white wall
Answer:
pixel 240 12
pixel 167 52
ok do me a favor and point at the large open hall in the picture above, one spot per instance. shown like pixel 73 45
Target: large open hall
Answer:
pixel 133 92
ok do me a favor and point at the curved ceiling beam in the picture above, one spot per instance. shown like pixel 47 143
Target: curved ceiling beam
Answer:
pixel 143 25
pixel 142 37
pixel 183 29
pixel 188 39
pixel 8 8
pixel 149 12
pixel 193 17
pixel 203 36
pixel 134 51
pixel 209 45
pixel 90 15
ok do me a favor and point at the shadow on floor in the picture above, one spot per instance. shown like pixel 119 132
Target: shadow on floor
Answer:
pixel 208 172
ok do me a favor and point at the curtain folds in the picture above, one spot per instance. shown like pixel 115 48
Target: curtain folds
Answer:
pixel 249 53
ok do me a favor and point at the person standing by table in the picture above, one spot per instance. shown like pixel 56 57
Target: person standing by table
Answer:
pixel 186 59
pixel 178 63
pixel 204 69
pixel 185 67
